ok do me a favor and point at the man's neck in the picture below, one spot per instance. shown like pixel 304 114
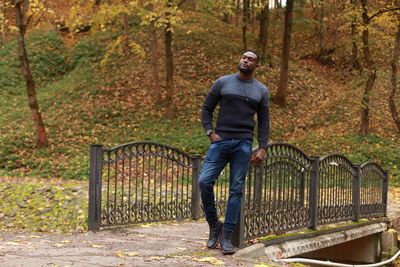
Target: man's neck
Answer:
pixel 245 76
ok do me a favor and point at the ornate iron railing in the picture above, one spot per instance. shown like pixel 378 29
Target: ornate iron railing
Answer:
pixel 147 182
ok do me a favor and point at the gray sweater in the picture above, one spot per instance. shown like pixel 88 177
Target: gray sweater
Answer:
pixel 239 100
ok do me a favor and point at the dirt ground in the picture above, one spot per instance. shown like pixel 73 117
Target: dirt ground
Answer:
pixel 171 244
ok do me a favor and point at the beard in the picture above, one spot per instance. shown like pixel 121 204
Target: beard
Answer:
pixel 245 71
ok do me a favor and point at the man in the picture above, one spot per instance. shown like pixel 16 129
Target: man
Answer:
pixel 240 96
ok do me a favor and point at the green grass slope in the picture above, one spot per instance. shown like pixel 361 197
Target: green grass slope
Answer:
pixel 83 103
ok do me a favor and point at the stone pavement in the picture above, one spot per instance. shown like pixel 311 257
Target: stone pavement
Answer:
pixel 168 244
pixel 159 244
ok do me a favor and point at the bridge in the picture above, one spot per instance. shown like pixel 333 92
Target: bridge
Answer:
pixel 289 192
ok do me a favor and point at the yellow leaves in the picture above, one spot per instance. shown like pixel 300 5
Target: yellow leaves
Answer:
pixel 13 243
pixel 66 241
pixel 116 48
pixel 97 246
pixel 212 260
pixel 157 258
pixel 119 254
pixel 132 254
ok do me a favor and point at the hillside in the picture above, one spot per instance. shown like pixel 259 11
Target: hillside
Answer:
pixel 84 103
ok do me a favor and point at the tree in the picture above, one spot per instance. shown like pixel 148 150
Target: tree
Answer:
pixel 22 20
pixel 318 10
pixel 355 62
pixel 280 98
pixel 264 28
pixel 246 19
pixel 3 19
pixel 395 61
pixel 169 63
pixel 369 67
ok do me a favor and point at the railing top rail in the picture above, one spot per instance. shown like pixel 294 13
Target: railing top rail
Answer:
pixel 375 165
pixel 329 156
pixel 194 156
pixel 290 146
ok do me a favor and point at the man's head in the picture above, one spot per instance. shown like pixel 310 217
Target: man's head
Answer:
pixel 248 62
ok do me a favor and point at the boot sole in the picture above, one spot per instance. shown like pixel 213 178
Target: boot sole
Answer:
pixel 229 252
pixel 218 240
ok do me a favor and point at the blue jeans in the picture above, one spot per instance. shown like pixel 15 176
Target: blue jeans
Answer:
pixel 237 153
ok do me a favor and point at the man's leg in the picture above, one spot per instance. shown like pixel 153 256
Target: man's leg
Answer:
pixel 216 159
pixel 240 157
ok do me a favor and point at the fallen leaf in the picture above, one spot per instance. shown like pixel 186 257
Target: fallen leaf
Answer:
pixel 12 243
pixel 181 248
pixel 66 241
pixel 157 258
pixel 97 246
pixel 119 254
pixel 207 259
pixel 132 254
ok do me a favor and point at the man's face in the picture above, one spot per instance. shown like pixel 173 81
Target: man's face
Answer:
pixel 248 62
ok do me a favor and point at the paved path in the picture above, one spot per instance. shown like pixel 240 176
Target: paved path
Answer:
pixel 168 244
pixel 172 244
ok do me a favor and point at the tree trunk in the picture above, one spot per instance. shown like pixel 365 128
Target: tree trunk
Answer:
pixel 318 7
pixel 3 22
pixel 246 15
pixel 169 65
pixel 154 63
pixel 370 68
pixel 264 30
pixel 26 72
pixel 355 62
pixel 393 93
pixel 321 28
pixel 237 12
pixel 280 98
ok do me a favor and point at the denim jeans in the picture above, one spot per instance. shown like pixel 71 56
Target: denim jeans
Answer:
pixel 237 153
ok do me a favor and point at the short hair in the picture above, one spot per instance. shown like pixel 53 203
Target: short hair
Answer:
pixel 254 52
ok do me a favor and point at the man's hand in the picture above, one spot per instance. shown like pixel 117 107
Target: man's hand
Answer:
pixel 258 156
pixel 214 137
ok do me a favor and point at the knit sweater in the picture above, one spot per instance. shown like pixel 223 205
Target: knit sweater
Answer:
pixel 239 100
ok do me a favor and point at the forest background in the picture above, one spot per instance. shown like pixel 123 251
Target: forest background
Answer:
pixel 116 71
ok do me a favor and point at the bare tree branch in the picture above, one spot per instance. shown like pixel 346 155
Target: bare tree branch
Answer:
pixel 380 12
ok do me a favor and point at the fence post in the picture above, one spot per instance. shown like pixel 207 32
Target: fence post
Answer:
pixel 356 192
pixel 196 209
pixel 314 188
pixel 96 157
pixel 385 193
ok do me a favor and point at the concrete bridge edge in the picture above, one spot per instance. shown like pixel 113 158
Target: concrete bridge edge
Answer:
pixel 301 246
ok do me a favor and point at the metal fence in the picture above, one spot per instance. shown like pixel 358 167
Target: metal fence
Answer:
pixel 147 182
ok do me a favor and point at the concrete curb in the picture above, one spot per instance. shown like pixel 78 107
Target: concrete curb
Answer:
pixel 301 246
pixel 253 251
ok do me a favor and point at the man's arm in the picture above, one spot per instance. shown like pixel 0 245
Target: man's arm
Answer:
pixel 208 108
pixel 263 130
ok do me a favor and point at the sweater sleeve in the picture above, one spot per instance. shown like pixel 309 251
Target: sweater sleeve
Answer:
pixel 263 121
pixel 209 105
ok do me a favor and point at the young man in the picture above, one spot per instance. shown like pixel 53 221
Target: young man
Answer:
pixel 240 96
